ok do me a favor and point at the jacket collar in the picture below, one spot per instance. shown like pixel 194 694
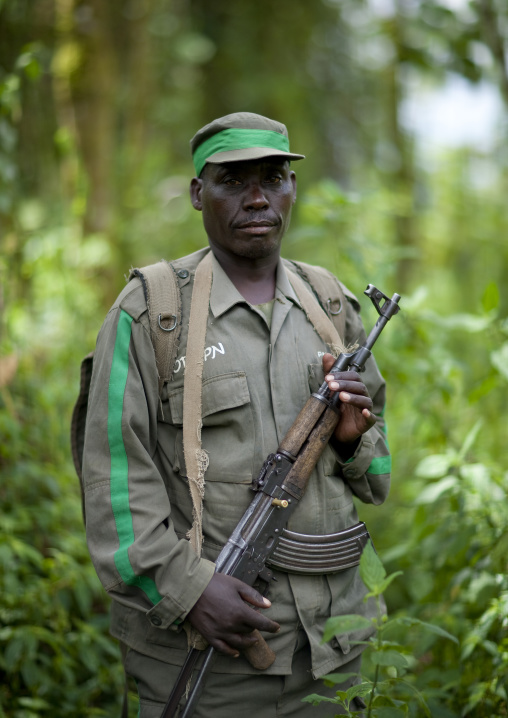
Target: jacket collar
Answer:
pixel 225 295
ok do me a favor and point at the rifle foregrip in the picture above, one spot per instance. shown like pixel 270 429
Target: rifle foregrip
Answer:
pixel 260 655
pixel 303 424
pixel 297 478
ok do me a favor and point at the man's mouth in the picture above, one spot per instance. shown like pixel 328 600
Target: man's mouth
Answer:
pixel 262 226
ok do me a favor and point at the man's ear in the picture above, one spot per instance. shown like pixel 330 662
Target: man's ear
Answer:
pixel 195 188
pixel 293 182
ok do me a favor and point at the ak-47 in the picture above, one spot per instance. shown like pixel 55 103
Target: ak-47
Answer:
pixel 279 487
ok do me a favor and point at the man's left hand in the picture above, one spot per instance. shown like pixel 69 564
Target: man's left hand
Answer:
pixel 356 415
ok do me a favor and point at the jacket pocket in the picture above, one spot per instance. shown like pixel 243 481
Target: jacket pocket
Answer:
pixel 227 434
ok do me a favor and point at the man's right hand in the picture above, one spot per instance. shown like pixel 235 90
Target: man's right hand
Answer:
pixel 222 616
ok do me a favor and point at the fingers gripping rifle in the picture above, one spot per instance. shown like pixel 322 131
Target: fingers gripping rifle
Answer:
pixel 279 487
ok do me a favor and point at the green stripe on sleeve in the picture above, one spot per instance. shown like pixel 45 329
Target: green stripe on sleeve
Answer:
pixel 380 465
pixel 119 463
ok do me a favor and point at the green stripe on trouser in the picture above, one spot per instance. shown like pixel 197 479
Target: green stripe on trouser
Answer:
pixel 119 479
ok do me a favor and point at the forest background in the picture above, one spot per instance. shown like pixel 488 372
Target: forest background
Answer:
pixel 98 101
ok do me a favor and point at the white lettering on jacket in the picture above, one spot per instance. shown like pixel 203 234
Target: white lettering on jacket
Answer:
pixel 210 352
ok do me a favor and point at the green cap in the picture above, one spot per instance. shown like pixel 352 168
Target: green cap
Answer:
pixel 238 137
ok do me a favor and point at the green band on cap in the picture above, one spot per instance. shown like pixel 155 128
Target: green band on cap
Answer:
pixel 237 139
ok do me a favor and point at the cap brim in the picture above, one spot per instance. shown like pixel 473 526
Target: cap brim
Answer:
pixel 251 153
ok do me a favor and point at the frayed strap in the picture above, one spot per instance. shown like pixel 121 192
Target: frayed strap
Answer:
pixel 196 459
pixel 316 316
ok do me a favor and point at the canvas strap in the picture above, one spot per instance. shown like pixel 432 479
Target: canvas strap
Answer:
pixel 196 459
pixel 164 305
pixel 317 316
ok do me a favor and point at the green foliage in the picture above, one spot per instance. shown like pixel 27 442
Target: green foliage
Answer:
pixel 454 559
pixel 389 691
pixel 55 657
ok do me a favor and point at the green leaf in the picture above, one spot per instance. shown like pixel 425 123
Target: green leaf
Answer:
pixel 384 585
pixel 381 699
pixel 31 674
pixel 360 689
pixel 499 360
pixel 316 699
pixel 35 703
pixel 372 570
pixel 389 658
pixel 14 652
pixel 433 492
pixel 410 621
pixel 337 625
pixel 471 438
pixel 484 387
pixel 333 679
pixel 436 465
pixel 490 299
pixel 392 712
pixel 477 692
pixel 470 323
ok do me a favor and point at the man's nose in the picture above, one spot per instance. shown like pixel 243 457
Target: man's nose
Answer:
pixel 255 198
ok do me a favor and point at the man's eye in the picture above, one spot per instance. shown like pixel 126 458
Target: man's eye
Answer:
pixel 232 181
pixel 274 179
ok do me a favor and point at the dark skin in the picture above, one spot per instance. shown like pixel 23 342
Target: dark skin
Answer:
pixel 246 210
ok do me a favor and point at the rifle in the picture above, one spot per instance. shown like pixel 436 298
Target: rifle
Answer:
pixel 279 487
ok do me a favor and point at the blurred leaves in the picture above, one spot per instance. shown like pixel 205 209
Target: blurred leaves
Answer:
pixel 55 655
pixel 499 359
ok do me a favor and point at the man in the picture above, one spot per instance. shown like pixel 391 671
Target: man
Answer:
pixel 263 357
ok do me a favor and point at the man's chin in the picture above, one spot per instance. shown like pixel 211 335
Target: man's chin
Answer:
pixel 258 247
pixel 260 251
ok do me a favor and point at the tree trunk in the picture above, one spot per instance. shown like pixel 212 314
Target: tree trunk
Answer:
pixel 94 88
pixel 401 178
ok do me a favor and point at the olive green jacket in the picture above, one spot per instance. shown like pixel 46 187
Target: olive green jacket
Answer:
pixel 138 506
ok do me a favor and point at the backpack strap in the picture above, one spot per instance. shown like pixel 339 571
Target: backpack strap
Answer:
pixel 317 316
pixel 196 459
pixel 330 295
pixel 164 304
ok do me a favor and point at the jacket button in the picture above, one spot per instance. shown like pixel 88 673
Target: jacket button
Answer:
pixel 156 620
pixel 183 273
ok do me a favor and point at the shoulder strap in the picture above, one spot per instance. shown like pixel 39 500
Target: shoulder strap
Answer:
pixel 326 310
pixel 196 459
pixel 164 304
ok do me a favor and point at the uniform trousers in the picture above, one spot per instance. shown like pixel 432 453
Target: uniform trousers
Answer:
pixel 232 695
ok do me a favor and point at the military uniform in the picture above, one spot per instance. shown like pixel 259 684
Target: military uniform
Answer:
pixel 256 378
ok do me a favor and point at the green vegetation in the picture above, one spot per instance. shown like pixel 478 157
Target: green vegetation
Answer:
pixel 388 694
pixel 97 104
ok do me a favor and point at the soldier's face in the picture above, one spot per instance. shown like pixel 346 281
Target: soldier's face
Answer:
pixel 246 205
